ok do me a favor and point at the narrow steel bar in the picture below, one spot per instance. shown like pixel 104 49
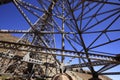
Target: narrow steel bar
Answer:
pixel 92 17
pixel 94 63
pixel 32 6
pixel 35 61
pixel 32 32
pixel 106 18
pixel 106 67
pixel 63 29
pixel 115 40
pixel 91 32
pixel 102 13
pixel 103 32
pixel 44 19
pixel 110 73
pixel 81 37
pixel 105 2
pixel 28 9
pixel 32 48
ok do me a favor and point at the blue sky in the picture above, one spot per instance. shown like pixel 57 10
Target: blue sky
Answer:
pixel 10 15
pixel 10 18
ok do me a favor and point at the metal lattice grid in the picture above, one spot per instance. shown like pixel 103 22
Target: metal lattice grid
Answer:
pixel 63 35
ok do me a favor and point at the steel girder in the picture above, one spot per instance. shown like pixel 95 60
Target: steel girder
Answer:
pixel 40 37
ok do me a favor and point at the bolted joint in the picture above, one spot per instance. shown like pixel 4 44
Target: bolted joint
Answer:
pixel 117 57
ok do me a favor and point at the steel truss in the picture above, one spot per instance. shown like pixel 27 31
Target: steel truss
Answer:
pixel 67 34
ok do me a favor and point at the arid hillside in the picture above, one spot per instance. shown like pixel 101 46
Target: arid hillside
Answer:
pixel 7 37
pixel 74 75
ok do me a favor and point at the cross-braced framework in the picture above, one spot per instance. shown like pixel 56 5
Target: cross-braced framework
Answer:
pixel 66 35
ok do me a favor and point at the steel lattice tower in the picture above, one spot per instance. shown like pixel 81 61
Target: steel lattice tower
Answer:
pixel 66 35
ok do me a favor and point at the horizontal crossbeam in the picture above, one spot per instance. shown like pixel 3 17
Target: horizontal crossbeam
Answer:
pixel 95 63
pixel 34 61
pixel 54 51
pixel 104 2
pixel 31 32
pixel 110 73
